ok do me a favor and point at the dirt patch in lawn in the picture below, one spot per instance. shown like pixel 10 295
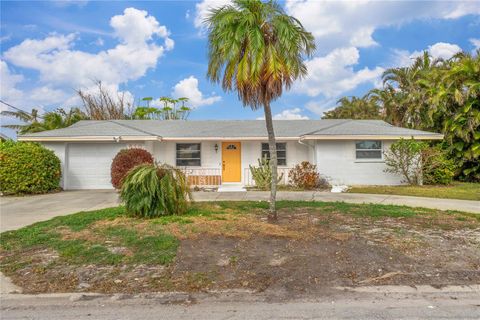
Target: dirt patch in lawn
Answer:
pixel 308 251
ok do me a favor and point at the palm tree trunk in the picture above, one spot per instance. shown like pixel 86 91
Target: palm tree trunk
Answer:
pixel 273 161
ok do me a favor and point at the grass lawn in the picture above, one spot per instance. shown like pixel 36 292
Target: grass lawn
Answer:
pixel 225 245
pixel 457 190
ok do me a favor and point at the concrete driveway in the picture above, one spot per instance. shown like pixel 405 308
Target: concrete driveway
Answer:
pixel 17 212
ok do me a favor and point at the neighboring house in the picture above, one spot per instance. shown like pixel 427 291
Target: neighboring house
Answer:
pixel 219 152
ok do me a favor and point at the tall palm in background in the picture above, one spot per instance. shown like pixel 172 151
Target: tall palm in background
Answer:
pixel 257 50
pixel 408 79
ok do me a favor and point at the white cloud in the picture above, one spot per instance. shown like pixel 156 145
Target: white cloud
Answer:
pixel 203 8
pixel 319 107
pixel 443 50
pixel 136 27
pixel 61 67
pixel 475 42
pixel 188 87
pixel 8 83
pixel 288 114
pixel 334 74
pixel 463 8
pixel 99 42
pixel 352 23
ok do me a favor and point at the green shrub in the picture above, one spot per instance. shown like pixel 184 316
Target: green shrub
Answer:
pixel 125 160
pixel 305 176
pixel 28 168
pixel 437 167
pixel 404 158
pixel 262 175
pixel 155 190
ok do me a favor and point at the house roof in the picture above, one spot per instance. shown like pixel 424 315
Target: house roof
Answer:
pixel 106 130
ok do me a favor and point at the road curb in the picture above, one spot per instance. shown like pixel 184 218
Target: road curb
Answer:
pixel 474 288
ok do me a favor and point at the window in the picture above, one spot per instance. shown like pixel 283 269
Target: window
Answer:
pixel 188 155
pixel 281 153
pixel 368 149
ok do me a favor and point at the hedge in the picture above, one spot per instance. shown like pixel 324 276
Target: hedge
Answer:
pixel 28 168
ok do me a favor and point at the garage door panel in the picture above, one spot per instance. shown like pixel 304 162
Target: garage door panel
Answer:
pixel 89 165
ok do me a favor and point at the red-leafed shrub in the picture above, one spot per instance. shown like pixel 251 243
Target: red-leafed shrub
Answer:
pixel 305 176
pixel 126 160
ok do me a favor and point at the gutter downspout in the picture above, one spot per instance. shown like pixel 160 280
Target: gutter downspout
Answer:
pixel 310 146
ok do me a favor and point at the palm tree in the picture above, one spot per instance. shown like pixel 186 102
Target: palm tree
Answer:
pixel 257 50
pixel 28 119
pixel 354 108
pixel 51 120
pixel 409 83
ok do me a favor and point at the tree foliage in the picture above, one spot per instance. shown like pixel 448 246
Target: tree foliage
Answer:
pixel 103 104
pixel 437 167
pixel 28 168
pixel 354 108
pixel 258 51
pixel 34 122
pixel 173 109
pixel 405 159
pixel 150 191
pixel 434 95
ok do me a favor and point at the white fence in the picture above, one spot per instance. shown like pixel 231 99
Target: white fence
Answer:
pixel 203 176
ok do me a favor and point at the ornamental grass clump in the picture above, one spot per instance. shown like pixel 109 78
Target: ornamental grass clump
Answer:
pixel 150 191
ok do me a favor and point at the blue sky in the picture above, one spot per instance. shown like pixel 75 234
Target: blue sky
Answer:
pixel 159 48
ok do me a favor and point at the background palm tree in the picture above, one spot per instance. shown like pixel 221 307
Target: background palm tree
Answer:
pixel 28 119
pixel 33 122
pixel 257 50
pixel 434 95
pixel 354 108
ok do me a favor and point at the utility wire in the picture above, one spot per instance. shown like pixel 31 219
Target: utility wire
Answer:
pixel 18 109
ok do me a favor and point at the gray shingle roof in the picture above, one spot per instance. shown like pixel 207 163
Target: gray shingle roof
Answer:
pixel 227 128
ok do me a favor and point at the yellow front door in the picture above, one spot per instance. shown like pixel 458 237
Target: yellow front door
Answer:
pixel 231 162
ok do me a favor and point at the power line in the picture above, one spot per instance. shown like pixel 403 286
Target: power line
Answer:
pixel 18 109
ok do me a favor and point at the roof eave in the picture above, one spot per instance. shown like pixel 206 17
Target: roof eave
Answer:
pixel 89 138
pixel 258 138
pixel 433 136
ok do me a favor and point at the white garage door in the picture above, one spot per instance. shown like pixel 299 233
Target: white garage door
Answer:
pixel 89 165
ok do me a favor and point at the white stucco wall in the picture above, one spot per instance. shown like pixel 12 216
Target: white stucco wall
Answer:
pixel 165 151
pixel 59 149
pixel 336 160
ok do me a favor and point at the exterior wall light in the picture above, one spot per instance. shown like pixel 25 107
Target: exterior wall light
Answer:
pixel 216 148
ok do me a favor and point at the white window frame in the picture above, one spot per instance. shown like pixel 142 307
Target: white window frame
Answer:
pixel 286 153
pixel 381 159
pixel 176 155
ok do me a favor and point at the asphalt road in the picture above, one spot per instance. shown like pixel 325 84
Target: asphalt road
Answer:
pixel 358 306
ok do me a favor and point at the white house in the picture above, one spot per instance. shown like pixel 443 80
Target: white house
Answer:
pixel 215 152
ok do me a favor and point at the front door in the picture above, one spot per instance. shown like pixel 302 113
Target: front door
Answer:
pixel 231 162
